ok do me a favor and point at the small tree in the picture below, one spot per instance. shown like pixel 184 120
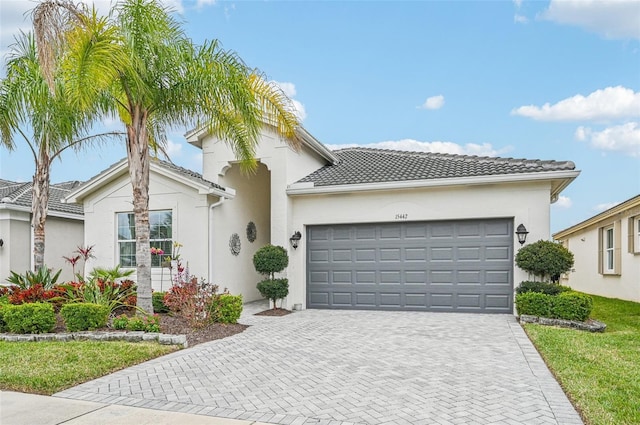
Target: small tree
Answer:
pixel 269 260
pixel 545 259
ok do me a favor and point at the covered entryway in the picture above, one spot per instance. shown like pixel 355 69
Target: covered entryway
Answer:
pixel 463 266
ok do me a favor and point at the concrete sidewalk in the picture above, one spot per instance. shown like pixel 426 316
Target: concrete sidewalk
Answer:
pixel 31 409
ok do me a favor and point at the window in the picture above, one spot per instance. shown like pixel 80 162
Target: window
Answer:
pixel 161 230
pixel 609 249
pixel 634 235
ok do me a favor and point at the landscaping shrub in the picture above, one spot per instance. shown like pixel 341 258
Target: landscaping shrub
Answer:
pixel 542 287
pixel 33 294
pixel 112 295
pixel 571 306
pixel 191 299
pixel 120 322
pixel 226 308
pixel 157 298
pixel 84 316
pixel 534 304
pixel 274 289
pixel 30 318
pixel 146 323
pixel 545 259
pixel 41 277
pixel 270 259
pixel 3 324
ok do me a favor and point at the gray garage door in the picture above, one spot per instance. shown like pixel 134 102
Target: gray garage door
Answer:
pixel 431 266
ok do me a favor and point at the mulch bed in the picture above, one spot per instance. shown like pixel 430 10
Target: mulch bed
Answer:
pixel 272 312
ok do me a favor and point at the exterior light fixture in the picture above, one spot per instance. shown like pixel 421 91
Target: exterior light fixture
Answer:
pixel 295 239
pixel 522 233
pixel 1 243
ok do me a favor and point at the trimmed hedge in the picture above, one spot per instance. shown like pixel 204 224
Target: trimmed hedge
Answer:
pixel 84 316
pixel 31 318
pixel 3 324
pixel 542 287
pixel 226 308
pixel 567 305
pixel 157 299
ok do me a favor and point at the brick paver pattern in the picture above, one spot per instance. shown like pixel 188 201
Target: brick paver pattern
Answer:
pixel 352 367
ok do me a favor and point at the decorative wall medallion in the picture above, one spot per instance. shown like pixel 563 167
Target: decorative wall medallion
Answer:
pixel 234 244
pixel 251 231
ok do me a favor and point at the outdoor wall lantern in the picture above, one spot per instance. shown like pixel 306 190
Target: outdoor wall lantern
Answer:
pixel 1 243
pixel 522 233
pixel 295 239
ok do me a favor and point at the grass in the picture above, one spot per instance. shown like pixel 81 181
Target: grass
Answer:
pixel 49 367
pixel 600 372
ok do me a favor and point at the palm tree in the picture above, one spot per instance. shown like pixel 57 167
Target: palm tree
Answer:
pixel 156 78
pixel 47 122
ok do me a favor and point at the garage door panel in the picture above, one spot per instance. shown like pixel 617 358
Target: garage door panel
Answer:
pixel 431 266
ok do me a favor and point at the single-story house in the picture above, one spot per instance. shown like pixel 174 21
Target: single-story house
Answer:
pixel 376 229
pixel 606 249
pixel 64 229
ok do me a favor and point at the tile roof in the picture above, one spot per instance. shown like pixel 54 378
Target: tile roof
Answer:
pixel 366 165
pixel 17 193
pixel 192 175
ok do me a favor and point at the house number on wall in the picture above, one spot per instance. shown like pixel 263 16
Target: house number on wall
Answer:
pixel 402 216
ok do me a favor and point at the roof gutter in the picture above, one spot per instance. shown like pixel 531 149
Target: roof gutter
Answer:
pixel 297 189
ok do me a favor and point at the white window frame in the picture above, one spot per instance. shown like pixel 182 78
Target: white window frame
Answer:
pixel 636 235
pixel 608 250
pixel 166 243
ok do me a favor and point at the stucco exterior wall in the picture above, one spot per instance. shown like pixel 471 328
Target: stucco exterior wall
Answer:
pixel 527 203
pixel 63 236
pixel 189 221
pixel 252 203
pixel 15 254
pixel 584 276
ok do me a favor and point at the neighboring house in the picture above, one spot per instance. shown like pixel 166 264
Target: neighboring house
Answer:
pixel 64 229
pixel 606 249
pixel 379 229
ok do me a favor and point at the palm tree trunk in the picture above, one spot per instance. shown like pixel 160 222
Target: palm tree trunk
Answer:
pixel 39 205
pixel 138 156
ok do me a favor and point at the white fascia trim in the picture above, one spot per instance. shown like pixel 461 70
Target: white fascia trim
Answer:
pixel 317 146
pixel 59 214
pixel 410 184
pixel 202 189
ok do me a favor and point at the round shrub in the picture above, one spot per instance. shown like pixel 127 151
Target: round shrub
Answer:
pixel 270 259
pixel 545 259
pixel 31 318
pixel 274 289
pixel 157 298
pixel 534 304
pixel 226 308
pixel 84 316
pixel 571 306
pixel 3 324
pixel 542 287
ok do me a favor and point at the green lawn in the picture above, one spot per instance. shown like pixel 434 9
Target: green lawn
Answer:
pixel 49 367
pixel 600 372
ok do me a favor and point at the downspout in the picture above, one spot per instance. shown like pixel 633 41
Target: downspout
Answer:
pixel 211 237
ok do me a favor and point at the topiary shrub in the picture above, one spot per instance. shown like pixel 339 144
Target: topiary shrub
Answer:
pixel 534 304
pixel 30 318
pixel 270 259
pixel 226 308
pixel 84 316
pixel 544 259
pixel 542 287
pixel 157 299
pixel 571 306
pixel 274 289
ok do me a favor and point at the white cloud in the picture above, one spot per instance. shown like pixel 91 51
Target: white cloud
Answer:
pixel 520 19
pixel 563 202
pixel 609 18
pixel 623 138
pixel 201 3
pixel 484 149
pixel 605 206
pixel 517 3
pixel 290 90
pixel 603 104
pixel 173 149
pixel 433 102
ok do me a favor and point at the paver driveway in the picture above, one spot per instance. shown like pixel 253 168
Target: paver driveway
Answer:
pixel 338 367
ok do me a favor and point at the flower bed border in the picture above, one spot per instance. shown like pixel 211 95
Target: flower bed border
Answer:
pixel 591 326
pixel 131 336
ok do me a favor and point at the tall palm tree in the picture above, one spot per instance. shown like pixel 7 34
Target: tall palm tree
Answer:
pixel 156 78
pixel 45 119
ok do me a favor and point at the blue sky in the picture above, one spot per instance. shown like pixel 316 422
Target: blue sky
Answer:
pixel 526 79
